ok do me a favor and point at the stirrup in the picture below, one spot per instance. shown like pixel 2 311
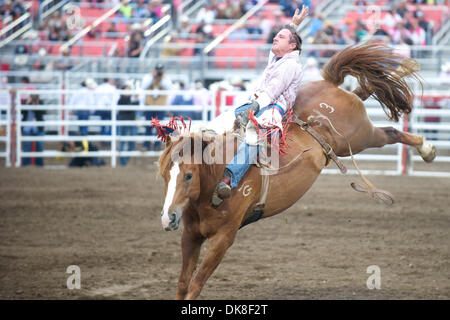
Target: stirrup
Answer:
pixel 223 191
pixel 216 200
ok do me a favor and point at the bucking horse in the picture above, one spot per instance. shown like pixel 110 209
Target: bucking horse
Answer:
pixel 326 122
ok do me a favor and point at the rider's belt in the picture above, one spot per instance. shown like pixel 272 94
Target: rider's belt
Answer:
pixel 329 153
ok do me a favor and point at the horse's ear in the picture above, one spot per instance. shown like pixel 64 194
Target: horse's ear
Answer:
pixel 168 141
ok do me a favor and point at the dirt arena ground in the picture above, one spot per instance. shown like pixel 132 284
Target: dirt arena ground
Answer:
pixel 107 222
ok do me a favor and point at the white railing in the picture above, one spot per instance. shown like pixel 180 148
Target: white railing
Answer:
pixel 66 122
pixel 5 121
pixel 48 7
pixel 434 124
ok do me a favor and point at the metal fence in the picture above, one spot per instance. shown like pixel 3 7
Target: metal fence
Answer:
pixel 61 123
pixel 5 127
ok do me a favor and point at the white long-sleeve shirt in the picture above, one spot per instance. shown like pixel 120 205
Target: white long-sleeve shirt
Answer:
pixel 281 79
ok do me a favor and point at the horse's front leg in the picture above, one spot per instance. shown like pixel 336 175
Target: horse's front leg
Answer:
pixel 218 245
pixel 190 248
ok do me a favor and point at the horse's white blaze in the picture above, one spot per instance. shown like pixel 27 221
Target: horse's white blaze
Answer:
pixel 171 188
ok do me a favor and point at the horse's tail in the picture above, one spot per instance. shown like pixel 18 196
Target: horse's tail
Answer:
pixel 379 71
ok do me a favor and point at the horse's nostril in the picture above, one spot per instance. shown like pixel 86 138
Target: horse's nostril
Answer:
pixel 172 217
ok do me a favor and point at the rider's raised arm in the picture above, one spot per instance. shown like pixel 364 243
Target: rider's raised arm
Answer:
pixel 300 16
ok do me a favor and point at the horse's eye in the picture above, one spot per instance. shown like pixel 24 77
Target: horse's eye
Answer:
pixel 188 176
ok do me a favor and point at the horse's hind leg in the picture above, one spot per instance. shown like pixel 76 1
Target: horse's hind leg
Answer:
pixel 190 249
pixel 390 135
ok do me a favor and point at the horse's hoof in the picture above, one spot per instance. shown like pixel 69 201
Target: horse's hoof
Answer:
pixel 427 151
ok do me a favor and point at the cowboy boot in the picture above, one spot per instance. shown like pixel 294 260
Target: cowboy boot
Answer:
pixel 223 189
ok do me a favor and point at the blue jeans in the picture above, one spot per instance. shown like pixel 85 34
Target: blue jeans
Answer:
pixel 39 146
pixel 83 115
pixel 126 145
pixel 244 158
pixel 104 115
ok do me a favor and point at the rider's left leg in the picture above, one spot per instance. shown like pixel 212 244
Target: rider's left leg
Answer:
pixel 234 171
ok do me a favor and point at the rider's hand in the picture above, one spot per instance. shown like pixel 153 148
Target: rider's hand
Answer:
pixel 299 17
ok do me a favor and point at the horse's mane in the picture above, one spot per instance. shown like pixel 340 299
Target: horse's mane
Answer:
pixel 187 138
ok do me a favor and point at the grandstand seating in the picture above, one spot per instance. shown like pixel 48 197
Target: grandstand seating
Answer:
pixel 434 13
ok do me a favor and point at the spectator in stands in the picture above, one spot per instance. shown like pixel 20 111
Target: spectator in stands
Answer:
pixel 360 31
pixel 288 7
pixel 37 131
pixel 339 37
pixel 42 64
pixel 135 46
pixel 141 11
pixel 328 28
pixel 311 71
pixel 65 62
pixel 418 37
pixel 320 38
pixel 106 98
pixel 18 9
pixel 391 19
pixel 56 24
pixel 316 25
pixel 127 115
pixel 95 33
pixel 6 9
pixel 25 83
pixel 169 50
pixel 444 75
pixel 402 9
pixel 151 9
pixel 254 28
pixel 407 20
pixel 126 11
pixel 185 99
pixel 206 14
pixel 184 30
pixel 156 8
pixel 53 34
pixel 85 99
pixel 155 81
pixel 418 12
pixel 229 9
pixel 399 32
pixel 112 32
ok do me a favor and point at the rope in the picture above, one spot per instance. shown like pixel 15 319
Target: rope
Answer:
pixel 382 195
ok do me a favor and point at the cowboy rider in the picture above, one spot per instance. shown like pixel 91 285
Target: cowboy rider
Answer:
pixel 274 95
